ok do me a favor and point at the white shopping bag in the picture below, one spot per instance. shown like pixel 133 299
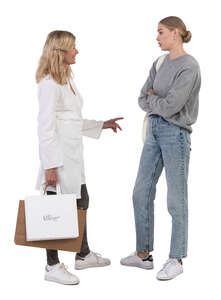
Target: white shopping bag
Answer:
pixel 51 217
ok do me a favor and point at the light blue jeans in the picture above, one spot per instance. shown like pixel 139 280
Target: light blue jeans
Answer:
pixel 167 145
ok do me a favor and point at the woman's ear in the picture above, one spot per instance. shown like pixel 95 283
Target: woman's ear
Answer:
pixel 175 33
pixel 178 34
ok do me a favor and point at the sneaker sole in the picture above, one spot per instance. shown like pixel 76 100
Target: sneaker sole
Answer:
pixel 166 279
pixel 91 266
pixel 145 268
pixel 58 281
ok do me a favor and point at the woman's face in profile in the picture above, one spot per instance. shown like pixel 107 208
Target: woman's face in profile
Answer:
pixel 165 37
pixel 69 56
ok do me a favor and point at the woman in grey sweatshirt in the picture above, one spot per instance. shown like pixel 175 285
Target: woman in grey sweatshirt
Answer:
pixel 170 98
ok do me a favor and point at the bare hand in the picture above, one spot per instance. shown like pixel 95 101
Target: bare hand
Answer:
pixel 51 177
pixel 112 124
pixel 151 91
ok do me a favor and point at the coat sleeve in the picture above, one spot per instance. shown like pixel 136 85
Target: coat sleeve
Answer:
pixel 49 150
pixel 143 98
pixel 92 128
pixel 177 96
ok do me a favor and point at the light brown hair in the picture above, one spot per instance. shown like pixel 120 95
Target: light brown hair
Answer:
pixel 175 22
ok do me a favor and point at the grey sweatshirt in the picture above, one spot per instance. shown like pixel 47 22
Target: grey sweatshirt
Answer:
pixel 176 86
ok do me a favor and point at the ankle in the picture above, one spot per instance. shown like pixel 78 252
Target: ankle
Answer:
pixel 51 267
pixel 143 254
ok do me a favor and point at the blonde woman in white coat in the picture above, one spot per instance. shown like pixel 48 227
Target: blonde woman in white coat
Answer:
pixel 60 130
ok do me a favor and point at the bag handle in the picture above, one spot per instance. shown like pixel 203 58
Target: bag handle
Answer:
pixel 43 188
pixel 160 61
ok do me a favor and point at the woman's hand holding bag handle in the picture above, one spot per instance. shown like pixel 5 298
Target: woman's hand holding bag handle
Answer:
pixel 51 176
pixel 145 121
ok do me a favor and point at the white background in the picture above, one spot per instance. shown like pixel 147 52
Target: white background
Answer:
pixel 117 46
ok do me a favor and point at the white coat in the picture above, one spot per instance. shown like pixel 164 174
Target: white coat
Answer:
pixel 60 131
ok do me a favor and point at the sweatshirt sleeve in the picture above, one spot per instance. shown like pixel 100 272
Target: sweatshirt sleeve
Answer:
pixel 50 153
pixel 177 96
pixel 143 98
pixel 92 128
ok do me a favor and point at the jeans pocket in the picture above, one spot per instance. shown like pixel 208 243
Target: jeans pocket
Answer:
pixel 187 138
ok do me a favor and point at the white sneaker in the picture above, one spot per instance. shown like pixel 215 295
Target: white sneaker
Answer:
pixel 133 260
pixel 60 274
pixel 90 261
pixel 170 269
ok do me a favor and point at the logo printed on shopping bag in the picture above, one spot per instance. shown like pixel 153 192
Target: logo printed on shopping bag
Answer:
pixel 50 218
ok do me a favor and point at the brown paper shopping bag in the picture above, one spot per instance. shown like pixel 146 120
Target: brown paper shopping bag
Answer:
pixel 73 245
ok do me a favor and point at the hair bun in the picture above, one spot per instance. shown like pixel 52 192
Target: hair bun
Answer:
pixel 187 37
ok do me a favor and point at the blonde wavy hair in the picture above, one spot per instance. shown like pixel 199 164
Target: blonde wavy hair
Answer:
pixel 52 58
